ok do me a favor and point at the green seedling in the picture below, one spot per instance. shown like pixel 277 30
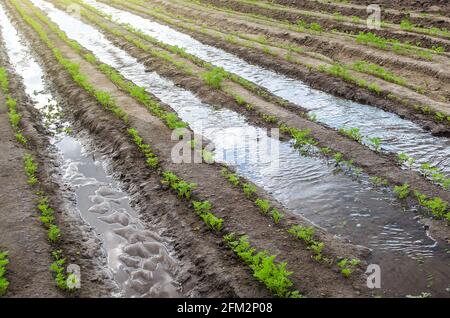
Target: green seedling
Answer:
pixel 30 169
pixel 402 191
pixel 201 207
pixel 352 133
pixel 404 158
pixel 54 233
pixel 376 143
pixel 264 205
pixel 276 215
pixel 212 221
pixel 233 179
pixel 214 77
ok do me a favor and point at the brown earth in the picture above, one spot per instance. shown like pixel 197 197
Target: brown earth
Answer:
pixel 190 239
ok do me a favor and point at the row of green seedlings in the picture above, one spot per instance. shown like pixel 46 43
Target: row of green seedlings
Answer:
pixel 4 283
pixel 270 278
pixel 407 25
pixel 46 212
pixel 249 190
pixel 426 169
pixel 265 269
pixel 11 103
pixel 47 217
pixel 305 234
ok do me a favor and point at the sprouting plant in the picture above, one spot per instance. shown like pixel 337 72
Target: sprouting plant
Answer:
pixel 376 142
pixel 338 157
pixel 402 191
pixel 212 221
pixel 4 283
pixel 316 27
pixel 173 122
pixel 306 234
pixel 30 169
pixel 317 248
pixel 271 119
pixel 264 205
pixel 184 189
pixel 352 133
pixel 347 266
pixel 249 189
pixel 276 215
pixel 439 116
pixel 201 207
pixel 47 213
pixel 54 233
pixel 214 77
pixel 404 158
pixel 233 179
pixel 170 178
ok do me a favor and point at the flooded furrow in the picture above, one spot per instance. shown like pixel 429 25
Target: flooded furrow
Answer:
pixel 137 257
pixel 306 185
pixel 397 135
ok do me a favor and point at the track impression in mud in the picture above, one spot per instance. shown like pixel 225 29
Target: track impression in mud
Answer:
pixel 136 256
pixel 202 119
pixel 397 135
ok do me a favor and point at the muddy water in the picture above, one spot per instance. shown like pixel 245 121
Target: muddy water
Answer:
pixel 397 135
pixel 137 257
pixel 306 185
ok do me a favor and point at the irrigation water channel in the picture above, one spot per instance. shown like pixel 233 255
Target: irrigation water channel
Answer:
pixel 307 185
pixel 397 135
pixel 137 257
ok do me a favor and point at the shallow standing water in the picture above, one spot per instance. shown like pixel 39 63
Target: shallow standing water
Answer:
pixel 397 135
pixel 137 257
pixel 306 185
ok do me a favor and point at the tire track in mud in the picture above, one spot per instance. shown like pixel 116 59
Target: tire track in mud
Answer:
pixel 206 258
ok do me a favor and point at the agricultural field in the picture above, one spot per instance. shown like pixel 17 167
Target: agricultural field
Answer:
pixel 224 149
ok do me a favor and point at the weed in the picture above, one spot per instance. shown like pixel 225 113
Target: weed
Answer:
pixel 264 205
pixel 265 269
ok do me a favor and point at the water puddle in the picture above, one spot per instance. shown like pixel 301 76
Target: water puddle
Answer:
pixel 307 185
pixel 137 257
pixel 397 135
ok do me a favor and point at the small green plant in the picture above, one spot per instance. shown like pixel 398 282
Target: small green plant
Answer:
pixel 30 169
pixel 249 189
pixel 402 191
pixel 201 207
pixel 212 221
pixel 338 157
pixel 276 215
pixel 271 119
pixel 47 213
pixel 264 205
pixel 404 158
pixel 233 179
pixel 305 234
pixel 4 283
pixel 347 266
pixel 54 233
pixel 215 77
pixel 352 133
